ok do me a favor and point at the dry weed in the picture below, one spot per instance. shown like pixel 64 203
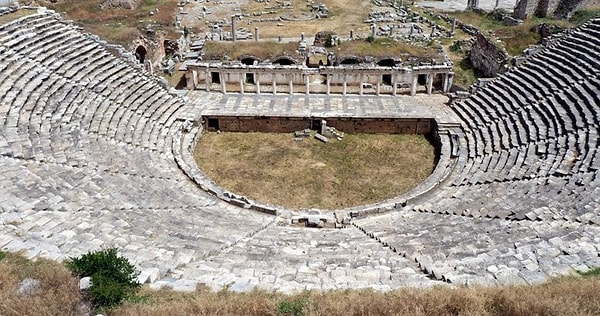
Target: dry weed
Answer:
pixel 273 168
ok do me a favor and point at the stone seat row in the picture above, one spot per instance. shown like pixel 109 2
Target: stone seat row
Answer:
pixel 485 250
pixel 573 199
pixel 166 108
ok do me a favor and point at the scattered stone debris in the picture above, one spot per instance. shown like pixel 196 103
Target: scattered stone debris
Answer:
pixel 28 287
pixel 321 138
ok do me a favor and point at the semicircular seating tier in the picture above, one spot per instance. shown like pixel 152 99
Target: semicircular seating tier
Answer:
pixel 88 149
pixel 523 200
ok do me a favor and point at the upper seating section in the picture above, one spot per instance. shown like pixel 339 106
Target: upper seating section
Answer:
pixel 54 79
pixel 531 136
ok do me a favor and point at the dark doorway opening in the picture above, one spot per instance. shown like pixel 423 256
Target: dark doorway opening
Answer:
pixel 315 125
pixel 250 78
pixel 422 79
pixel 140 53
pixel 213 123
pixel 215 77
pixel 387 79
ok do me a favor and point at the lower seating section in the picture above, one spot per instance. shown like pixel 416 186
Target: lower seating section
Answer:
pixel 463 250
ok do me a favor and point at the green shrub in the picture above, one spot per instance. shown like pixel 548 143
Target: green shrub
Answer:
pixel 113 277
pixel 591 273
pixel 2 255
pixel 292 308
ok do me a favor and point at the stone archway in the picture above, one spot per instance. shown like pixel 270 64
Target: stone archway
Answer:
pixel 140 54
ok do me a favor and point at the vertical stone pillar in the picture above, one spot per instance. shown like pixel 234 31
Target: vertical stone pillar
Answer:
pixel 257 83
pixel 207 79
pixel 373 30
pixel 223 84
pixel 345 85
pixel 328 76
pixel 453 25
pixel 432 29
pixel 497 4
pixel 256 34
pixel 413 87
pixel 429 83
pixel 242 82
pixel 274 83
pixel 412 29
pixel 448 81
pixel 233 33
pixel 307 84
pixel 394 84
pixel 291 85
pixel 361 88
pixel 378 87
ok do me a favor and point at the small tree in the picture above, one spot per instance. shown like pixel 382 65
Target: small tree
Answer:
pixel 113 277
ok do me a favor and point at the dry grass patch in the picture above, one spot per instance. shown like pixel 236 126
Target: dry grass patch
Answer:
pixel 383 47
pixel 564 296
pixel 263 50
pixel 117 25
pixel 273 168
pixel 343 17
pixel 57 294
pixel 9 17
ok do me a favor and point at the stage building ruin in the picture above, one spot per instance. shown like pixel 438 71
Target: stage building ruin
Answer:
pixel 356 78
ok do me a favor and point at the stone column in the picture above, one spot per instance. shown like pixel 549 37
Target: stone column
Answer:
pixel 345 85
pixel 360 89
pixel 429 83
pixel 453 25
pixel 307 84
pixel 223 84
pixel 242 75
pixel 394 84
pixel 448 81
pixel 378 88
pixel 233 33
pixel 208 80
pixel 256 34
pixel 373 30
pixel 257 83
pixel 327 76
pixel 291 86
pixel 413 87
pixel 274 84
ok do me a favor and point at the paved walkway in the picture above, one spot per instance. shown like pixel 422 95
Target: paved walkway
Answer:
pixel 301 105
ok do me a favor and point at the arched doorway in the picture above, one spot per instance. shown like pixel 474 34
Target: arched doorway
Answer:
pixel 140 53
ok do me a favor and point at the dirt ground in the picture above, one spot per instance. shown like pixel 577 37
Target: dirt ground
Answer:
pixel 276 169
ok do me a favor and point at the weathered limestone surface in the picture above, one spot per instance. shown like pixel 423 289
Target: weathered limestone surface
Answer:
pixel 86 163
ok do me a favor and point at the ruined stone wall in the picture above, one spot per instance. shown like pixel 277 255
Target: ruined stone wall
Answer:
pixel 487 59
pixel 382 125
pixel 550 8
pixel 349 125
pixel 259 124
